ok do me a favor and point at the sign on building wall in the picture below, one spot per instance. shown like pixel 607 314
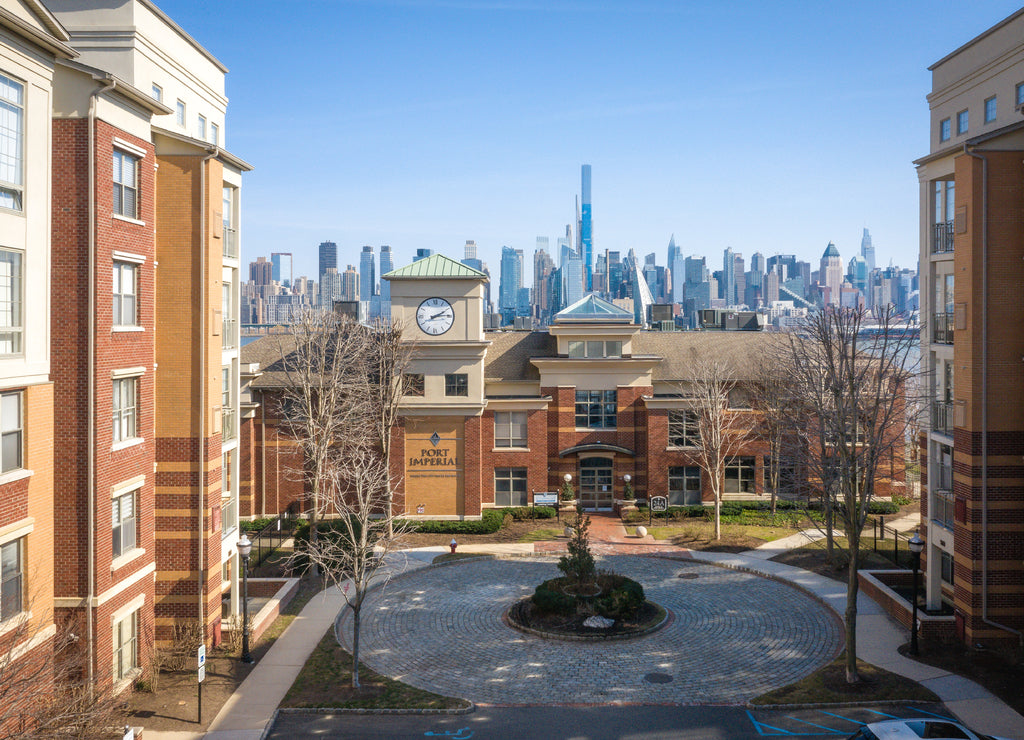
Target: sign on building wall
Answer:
pixel 434 466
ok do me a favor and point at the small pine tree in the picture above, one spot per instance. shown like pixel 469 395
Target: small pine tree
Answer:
pixel 578 565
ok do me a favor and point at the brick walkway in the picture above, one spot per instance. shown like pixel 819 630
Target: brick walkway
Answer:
pixel 733 636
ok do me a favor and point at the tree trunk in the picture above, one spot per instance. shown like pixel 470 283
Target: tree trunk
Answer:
pixel 355 646
pixel 718 516
pixel 852 588
pixel 830 556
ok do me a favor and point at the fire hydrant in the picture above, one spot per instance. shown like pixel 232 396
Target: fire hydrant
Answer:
pixel 453 544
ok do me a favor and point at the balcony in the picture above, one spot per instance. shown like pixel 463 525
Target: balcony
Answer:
pixel 229 332
pixel 942 417
pixel 942 237
pixel 228 517
pixel 227 424
pixel 942 328
pixel 231 243
pixel 943 510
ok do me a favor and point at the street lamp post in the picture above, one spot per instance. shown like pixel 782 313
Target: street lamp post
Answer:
pixel 244 548
pixel 916 545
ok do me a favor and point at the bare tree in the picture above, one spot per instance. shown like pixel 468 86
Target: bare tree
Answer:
pixel 855 379
pixel 723 430
pixel 45 691
pixel 777 405
pixel 324 362
pixel 363 532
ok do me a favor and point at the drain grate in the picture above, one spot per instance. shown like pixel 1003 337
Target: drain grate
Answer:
pixel 658 678
pixel 689 576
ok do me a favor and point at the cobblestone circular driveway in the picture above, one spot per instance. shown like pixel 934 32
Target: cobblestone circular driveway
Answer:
pixel 734 636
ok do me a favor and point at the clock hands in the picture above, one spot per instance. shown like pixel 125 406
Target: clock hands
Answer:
pixel 439 315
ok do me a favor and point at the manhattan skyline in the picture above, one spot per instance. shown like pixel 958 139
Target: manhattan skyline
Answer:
pixel 423 124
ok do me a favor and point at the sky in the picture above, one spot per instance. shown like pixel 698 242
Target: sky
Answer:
pixel 770 127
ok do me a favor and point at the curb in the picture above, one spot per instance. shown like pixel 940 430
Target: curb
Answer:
pixel 841 704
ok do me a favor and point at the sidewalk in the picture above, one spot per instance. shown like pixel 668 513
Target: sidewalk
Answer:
pixel 248 712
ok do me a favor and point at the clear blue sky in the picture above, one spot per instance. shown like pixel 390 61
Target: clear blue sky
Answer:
pixel 764 126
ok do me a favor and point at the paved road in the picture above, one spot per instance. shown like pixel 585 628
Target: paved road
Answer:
pixel 597 723
pixel 733 636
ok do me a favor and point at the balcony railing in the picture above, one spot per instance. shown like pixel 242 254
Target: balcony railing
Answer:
pixel 942 416
pixel 943 478
pixel 231 243
pixel 942 237
pixel 227 423
pixel 942 328
pixel 228 517
pixel 228 334
pixel 944 508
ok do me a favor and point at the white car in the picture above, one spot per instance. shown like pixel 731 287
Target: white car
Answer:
pixel 918 729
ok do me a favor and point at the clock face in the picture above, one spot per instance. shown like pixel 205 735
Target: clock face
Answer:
pixel 435 316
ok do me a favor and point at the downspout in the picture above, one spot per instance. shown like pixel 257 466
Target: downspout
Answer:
pixel 263 455
pixel 201 477
pixel 984 398
pixel 90 638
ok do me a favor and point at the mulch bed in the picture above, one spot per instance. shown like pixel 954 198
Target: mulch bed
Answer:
pixel 525 614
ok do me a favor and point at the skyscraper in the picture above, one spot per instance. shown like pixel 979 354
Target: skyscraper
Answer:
pixel 867 250
pixel 328 256
pixel 350 284
pixel 586 228
pixel 729 276
pixel 261 272
pixel 511 278
pixel 831 272
pixel 367 274
pixel 387 264
pixel 282 262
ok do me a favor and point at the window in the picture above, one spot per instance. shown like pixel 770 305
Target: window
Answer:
pixel 962 122
pixel 10 431
pixel 739 475
pixel 158 93
pixel 179 113
pixel 990 109
pixel 126 639
pixel 11 326
pixel 595 349
pixel 596 409
pixel 510 487
pixel 684 486
pixel 126 189
pixel 789 481
pixel 125 411
pixel 456 384
pixel 201 128
pixel 12 600
pixel 944 129
pixel 739 398
pixel 510 429
pixel 214 133
pixel 12 131
pixel 227 406
pixel 125 294
pixel 1020 94
pixel 683 430
pixel 946 567
pixel 124 519
pixel 414 384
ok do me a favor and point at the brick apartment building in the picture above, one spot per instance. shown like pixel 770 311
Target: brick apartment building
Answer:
pixel 972 267
pixel 511 413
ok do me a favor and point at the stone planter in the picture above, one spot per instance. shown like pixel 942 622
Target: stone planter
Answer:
pixel 625 508
pixel 567 507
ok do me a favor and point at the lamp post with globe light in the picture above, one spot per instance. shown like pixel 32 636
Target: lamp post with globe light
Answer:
pixel 244 548
pixel 916 545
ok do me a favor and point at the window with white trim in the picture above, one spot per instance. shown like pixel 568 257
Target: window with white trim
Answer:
pixel 158 93
pixel 12 324
pixel 962 122
pixel 214 134
pixel 594 348
pixel 945 129
pixel 124 523
pixel 510 429
pixel 201 128
pixel 1020 93
pixel 12 579
pixel 739 475
pixel 683 428
pixel 946 572
pixel 179 113
pixel 12 143
pixel 10 431
pixel 126 184
pixel 126 646
pixel 125 309
pixel 990 109
pixel 510 487
pixel 125 410
pixel 456 384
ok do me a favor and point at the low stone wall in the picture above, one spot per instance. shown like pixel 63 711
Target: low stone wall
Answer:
pixel 279 591
pixel 878 584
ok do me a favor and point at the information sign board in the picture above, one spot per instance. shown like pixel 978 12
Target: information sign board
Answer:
pixel 659 503
pixel 545 498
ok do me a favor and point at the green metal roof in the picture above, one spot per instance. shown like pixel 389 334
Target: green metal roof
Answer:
pixel 435 266
pixel 592 307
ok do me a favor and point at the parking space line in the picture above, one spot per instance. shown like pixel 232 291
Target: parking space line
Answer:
pixel 797 719
pixel 932 714
pixel 875 711
pixel 759 725
pixel 846 719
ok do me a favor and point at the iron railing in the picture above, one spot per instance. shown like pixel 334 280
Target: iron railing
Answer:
pixel 227 423
pixel 942 417
pixel 943 509
pixel 230 243
pixel 942 328
pixel 942 237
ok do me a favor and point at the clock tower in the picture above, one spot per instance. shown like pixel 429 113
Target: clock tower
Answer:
pixel 439 304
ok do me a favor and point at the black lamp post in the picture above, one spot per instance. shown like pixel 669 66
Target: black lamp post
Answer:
pixel 916 545
pixel 244 548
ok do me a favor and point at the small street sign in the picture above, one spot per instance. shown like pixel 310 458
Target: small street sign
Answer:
pixel 201 656
pixel 659 503
pixel 202 673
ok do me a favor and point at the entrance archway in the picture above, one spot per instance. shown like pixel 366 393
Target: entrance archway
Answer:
pixel 596 483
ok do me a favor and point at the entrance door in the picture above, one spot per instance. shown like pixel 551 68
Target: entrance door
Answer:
pixel 596 483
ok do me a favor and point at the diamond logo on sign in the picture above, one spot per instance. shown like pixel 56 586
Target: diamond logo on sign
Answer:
pixel 434 439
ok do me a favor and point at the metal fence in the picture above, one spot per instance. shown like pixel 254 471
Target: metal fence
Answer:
pixel 889 543
pixel 269 539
